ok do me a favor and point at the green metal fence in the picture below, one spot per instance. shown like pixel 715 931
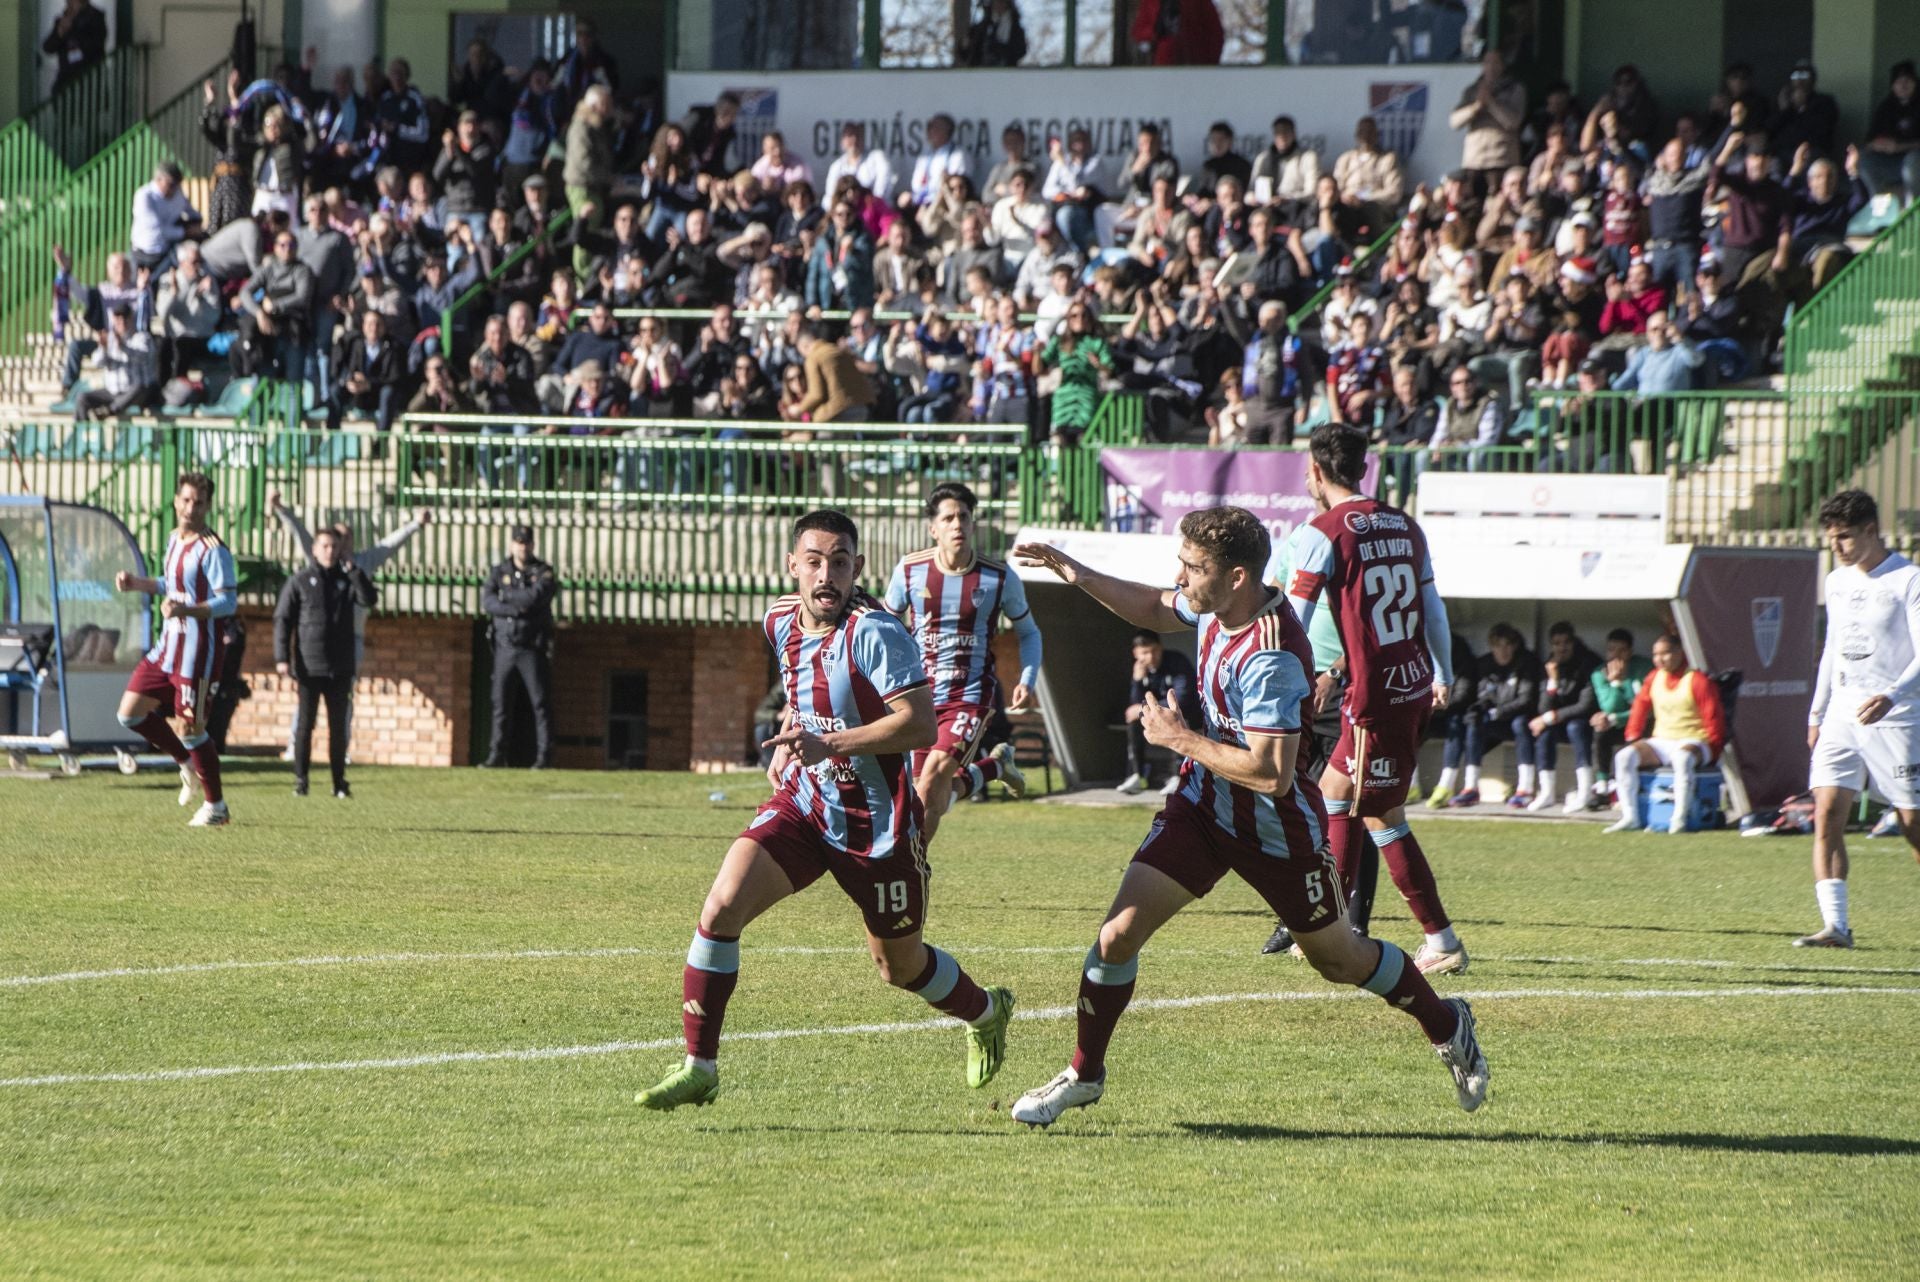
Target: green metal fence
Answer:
pixel 1313 304
pixel 40 150
pixel 484 287
pixel 90 213
pixel 1863 329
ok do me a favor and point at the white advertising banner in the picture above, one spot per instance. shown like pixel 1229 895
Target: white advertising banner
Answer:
pixel 1411 103
pixel 1549 537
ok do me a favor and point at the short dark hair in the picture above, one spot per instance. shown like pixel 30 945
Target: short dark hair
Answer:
pixel 200 481
pixel 829 520
pixel 1671 641
pixel 950 490
pixel 1230 535
pixel 1341 452
pixel 1508 633
pixel 1284 120
pixel 1220 127
pixel 1849 508
pixel 1561 629
pixel 1147 637
pixel 1621 635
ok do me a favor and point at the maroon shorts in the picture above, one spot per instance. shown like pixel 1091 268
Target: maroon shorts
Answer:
pixel 182 697
pixel 962 726
pixel 1380 759
pixel 890 893
pixel 1191 848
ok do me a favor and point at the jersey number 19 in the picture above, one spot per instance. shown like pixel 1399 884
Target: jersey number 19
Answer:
pixel 1392 591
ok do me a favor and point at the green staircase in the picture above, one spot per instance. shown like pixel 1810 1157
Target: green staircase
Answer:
pixel 40 151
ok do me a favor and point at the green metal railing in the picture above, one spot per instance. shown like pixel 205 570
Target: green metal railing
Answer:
pixel 1864 327
pixel 90 213
pixel 40 150
pixel 1313 304
pixel 485 286
pixel 1068 486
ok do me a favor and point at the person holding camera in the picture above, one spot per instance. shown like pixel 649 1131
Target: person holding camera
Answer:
pixel 314 642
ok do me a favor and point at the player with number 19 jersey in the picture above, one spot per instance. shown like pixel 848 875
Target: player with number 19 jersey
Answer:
pixel 1372 561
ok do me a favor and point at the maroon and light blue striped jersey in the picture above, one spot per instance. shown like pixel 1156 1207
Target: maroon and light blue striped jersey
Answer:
pixel 199 571
pixel 954 618
pixel 1255 680
pixel 837 679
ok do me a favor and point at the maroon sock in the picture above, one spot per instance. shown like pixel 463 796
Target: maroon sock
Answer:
pixel 975 778
pixel 206 764
pixel 1414 876
pixel 1343 831
pixel 1399 982
pixel 1105 990
pixel 155 729
pixel 943 985
pixel 713 968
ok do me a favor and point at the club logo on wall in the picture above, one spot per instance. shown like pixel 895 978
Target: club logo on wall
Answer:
pixel 1400 109
pixel 1768 614
pixel 1589 562
pixel 759 116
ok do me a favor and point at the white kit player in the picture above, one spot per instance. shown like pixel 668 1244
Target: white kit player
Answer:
pixel 1865 723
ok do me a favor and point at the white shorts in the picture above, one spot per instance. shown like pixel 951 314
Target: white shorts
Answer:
pixel 1849 755
pixel 1665 750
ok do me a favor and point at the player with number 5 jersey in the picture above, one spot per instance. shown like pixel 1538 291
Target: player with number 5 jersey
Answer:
pixel 954 599
pixel 1371 561
pixel 1241 807
pixel 843 804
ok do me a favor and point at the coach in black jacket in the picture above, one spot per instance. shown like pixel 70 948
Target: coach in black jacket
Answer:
pixel 313 643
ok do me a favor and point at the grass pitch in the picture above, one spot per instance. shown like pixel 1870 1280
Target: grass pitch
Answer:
pixel 1675 1090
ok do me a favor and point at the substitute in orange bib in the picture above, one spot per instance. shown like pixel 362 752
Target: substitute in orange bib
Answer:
pixel 1689 730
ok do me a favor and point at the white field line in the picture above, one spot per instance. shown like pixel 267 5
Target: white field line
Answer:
pixel 798 950
pixel 910 1026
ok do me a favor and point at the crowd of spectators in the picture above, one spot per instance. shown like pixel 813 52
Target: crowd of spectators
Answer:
pixel 1578 246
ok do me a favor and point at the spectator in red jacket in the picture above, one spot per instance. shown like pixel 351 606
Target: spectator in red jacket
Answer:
pixel 1177 33
pixel 1630 304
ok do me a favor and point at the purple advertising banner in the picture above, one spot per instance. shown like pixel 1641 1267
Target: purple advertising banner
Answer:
pixel 1148 491
pixel 1756 609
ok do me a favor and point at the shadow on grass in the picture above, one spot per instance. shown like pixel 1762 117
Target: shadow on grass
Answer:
pixel 1636 927
pixel 1699 1141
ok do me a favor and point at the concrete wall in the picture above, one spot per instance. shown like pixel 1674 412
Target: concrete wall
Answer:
pixel 1677 44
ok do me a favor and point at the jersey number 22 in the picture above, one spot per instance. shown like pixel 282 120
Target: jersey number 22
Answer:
pixel 1393 592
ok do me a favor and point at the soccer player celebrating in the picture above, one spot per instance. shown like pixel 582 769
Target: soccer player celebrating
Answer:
pixel 953 598
pixel 1240 807
pixel 857 707
pixel 198 586
pixel 1677 722
pixel 1371 562
pixel 1865 722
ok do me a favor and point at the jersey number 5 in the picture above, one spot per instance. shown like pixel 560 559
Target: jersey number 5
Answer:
pixel 1392 591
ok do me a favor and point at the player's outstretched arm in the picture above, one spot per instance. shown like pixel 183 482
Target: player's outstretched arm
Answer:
pixel 128 581
pixel 1137 603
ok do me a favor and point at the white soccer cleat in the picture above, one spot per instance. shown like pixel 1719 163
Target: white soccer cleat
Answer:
pixel 1463 1059
pixel 212 814
pixel 1826 937
pixel 1010 774
pixel 187 782
pixel 1625 823
pixel 1132 784
pixel 1044 1105
pixel 1576 804
pixel 1171 786
pixel 1441 961
pixel 1542 800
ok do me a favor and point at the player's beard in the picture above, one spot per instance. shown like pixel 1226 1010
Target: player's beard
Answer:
pixel 826 615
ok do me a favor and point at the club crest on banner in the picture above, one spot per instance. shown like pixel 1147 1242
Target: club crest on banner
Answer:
pixel 1768 614
pixel 1589 562
pixel 1400 109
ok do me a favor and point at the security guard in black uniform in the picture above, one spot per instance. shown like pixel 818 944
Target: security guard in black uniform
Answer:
pixel 519 597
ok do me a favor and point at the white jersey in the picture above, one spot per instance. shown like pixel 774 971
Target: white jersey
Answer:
pixel 1873 642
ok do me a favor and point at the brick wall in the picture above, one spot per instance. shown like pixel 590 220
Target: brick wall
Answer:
pixel 732 671
pixel 412 701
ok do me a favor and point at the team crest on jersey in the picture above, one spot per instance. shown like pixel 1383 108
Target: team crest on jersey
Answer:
pixel 980 595
pixel 1768 614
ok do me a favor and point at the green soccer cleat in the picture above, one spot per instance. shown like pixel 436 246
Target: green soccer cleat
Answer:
pixel 987 1043
pixel 1438 798
pixel 690 1084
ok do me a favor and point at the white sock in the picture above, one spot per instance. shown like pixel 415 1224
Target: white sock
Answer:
pixel 1529 776
pixel 1583 782
pixel 1832 896
pixel 694 1061
pixel 985 1015
pixel 1445 939
pixel 1473 778
pixel 1448 776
